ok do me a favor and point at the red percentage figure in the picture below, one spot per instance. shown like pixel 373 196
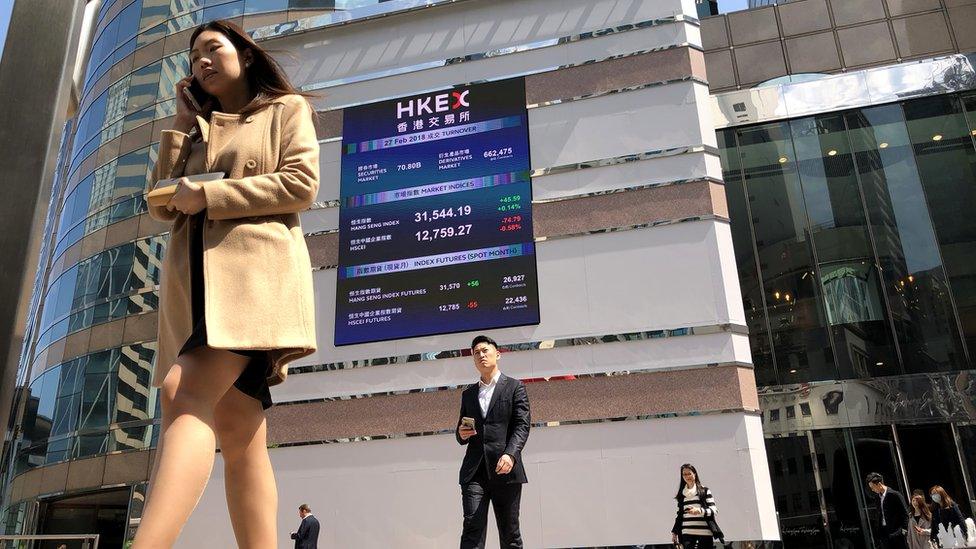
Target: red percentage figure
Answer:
pixel 472 304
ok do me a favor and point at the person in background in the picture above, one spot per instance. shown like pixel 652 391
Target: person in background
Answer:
pixel 892 514
pixel 945 511
pixel 307 536
pixel 920 523
pixel 694 525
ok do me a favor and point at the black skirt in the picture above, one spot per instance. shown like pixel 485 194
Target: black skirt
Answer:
pixel 253 381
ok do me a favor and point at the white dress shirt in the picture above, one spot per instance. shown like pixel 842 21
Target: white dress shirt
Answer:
pixel 485 390
pixel 881 506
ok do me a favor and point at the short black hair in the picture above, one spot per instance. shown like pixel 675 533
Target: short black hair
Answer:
pixel 483 339
pixel 874 478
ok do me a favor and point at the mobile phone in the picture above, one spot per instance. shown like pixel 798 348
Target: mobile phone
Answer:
pixel 195 95
pixel 468 422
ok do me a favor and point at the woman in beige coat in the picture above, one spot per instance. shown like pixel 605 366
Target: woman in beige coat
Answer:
pixel 235 304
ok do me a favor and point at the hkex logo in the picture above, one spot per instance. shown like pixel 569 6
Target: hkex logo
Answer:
pixel 433 103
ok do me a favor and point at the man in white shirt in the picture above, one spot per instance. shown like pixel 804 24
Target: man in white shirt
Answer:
pixel 494 424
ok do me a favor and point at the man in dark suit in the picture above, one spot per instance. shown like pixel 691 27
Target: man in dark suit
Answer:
pixel 892 514
pixel 494 424
pixel 307 536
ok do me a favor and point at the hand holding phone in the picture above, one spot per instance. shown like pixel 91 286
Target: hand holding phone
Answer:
pixel 466 428
pixel 188 95
pixel 196 96
pixel 191 101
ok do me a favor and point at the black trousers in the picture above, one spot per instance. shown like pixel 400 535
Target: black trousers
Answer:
pixel 696 542
pixel 893 541
pixel 504 498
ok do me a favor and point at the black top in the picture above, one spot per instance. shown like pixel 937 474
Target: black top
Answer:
pixel 947 517
pixel 503 431
pixel 892 514
pixel 307 536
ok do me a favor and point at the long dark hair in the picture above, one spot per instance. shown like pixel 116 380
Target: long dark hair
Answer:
pixel 924 510
pixel 265 76
pixel 681 482
pixel 947 501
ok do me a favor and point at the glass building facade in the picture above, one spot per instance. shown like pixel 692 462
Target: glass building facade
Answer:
pixel 853 234
pixel 856 251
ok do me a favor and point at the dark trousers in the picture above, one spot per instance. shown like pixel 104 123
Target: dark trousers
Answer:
pixel 893 541
pixel 696 542
pixel 504 498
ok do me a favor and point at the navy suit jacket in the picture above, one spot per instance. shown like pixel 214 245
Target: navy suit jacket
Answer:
pixel 503 431
pixel 307 536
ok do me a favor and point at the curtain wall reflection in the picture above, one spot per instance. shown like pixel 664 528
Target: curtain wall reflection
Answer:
pixel 851 232
pixel 856 248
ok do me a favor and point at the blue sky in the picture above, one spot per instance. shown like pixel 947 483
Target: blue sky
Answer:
pixel 723 5
pixel 6 6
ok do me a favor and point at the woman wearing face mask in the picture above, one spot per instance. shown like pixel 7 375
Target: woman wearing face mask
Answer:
pixel 920 523
pixel 236 300
pixel 946 512
pixel 694 525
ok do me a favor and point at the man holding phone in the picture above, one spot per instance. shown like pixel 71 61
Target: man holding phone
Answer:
pixel 494 424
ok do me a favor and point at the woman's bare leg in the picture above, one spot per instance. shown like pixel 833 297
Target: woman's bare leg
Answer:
pixel 252 496
pixel 188 398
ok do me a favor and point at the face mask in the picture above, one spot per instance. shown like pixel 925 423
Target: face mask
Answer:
pixel 937 498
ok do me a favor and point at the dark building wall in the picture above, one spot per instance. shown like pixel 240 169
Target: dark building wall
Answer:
pixel 748 47
pixel 40 43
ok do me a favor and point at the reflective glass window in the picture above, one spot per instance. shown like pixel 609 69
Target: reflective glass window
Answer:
pixel 908 251
pixel 143 88
pixel 116 271
pixel 124 50
pixel 89 445
pixel 135 400
pixel 224 11
pixel 967 448
pixel 128 21
pixel 930 458
pixel 153 13
pixel 58 449
pixel 849 283
pixel 68 398
pixel 91 121
pixel 951 194
pixel 132 170
pixel 745 257
pixel 801 524
pixel 76 206
pixel 174 68
pixel 141 117
pixel 258 6
pixel 326 4
pixel 801 344
pixel 98 391
pixel 151 35
pixel 181 6
pixel 842 489
pixel 40 406
pixel 183 22
pixel 104 44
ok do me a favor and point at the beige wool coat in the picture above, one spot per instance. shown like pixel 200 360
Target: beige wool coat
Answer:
pixel 256 268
